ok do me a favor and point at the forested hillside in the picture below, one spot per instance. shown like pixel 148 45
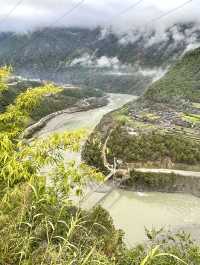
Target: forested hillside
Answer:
pixel 181 82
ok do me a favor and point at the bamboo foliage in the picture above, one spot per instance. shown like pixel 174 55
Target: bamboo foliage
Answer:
pixel 46 222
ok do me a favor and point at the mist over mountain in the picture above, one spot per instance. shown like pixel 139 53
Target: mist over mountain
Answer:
pixel 56 49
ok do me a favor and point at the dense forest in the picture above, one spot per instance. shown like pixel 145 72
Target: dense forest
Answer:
pixel 181 82
pixel 153 147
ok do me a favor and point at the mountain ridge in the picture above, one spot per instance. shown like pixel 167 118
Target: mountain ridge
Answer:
pixel 60 46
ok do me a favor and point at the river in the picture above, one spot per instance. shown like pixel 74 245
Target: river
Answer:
pixel 132 211
pixel 87 119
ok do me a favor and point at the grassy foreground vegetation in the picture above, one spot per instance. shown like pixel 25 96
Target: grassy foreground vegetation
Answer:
pixel 39 221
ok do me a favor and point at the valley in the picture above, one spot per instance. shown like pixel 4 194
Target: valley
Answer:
pixel 154 141
pixel 99 133
pixel 156 131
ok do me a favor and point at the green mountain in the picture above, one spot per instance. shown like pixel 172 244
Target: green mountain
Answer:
pixel 53 47
pixel 181 82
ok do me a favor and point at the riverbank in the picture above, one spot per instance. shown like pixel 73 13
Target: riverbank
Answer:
pixel 144 180
pixel 82 105
pixel 70 96
pixel 85 119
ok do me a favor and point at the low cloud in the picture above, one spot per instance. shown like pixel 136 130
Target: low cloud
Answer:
pixel 86 60
pixel 155 73
pixel 104 61
pixel 36 13
pixel 192 46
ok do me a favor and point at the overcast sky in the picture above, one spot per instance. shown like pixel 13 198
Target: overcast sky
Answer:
pixel 31 14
